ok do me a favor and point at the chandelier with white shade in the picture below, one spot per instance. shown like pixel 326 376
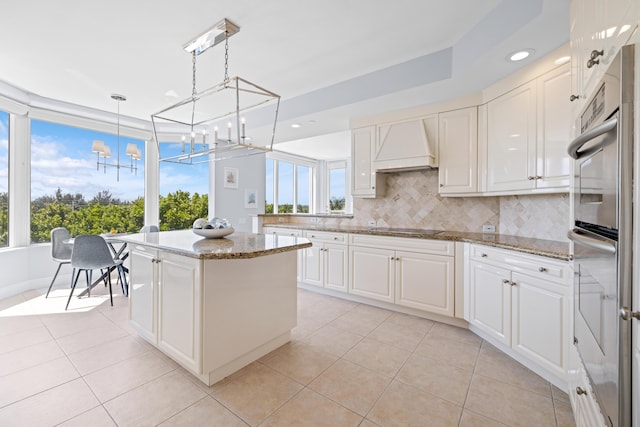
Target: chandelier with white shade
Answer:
pixel 104 151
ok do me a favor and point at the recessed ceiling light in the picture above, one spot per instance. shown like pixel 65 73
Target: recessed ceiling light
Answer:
pixel 296 125
pixel 562 60
pixel 312 122
pixel 520 55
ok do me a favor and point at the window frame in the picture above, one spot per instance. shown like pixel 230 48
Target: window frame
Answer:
pixel 338 164
pixel 278 157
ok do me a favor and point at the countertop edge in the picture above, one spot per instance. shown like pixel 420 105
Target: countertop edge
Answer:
pixel 456 236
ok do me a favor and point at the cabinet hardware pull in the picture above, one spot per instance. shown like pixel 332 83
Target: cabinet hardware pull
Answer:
pixel 373 188
pixel 483 255
pixel 573 98
pixel 392 258
pixel 580 391
pixel 592 62
pixel 313 236
pixel 531 178
pixel 596 53
pixel 542 269
pixel 538 177
pixel 335 238
pixel 513 283
pixel 505 281
pixel 627 314
pixel 441 185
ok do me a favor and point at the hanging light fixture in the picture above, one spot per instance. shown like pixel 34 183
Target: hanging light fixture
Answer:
pixel 104 151
pixel 222 121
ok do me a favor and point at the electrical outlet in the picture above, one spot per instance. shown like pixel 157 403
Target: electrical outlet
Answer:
pixel 372 223
pixel 313 220
pixel 280 219
pixel 488 228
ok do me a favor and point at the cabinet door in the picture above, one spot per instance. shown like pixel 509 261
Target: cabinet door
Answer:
pixel 554 128
pixel 511 140
pixel 371 272
pixel 143 293
pixel 364 182
pixel 490 300
pixel 458 142
pixel 336 267
pixel 179 313
pixel 313 265
pixel 425 282
pixel 540 326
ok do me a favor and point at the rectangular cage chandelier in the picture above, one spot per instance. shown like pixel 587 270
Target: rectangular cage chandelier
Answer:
pixel 231 119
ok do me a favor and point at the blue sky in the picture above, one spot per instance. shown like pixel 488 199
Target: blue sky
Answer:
pixel 61 157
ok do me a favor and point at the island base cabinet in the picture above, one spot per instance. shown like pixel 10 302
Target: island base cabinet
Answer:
pixel 249 308
pixel 216 316
pixel 143 292
pixel 179 309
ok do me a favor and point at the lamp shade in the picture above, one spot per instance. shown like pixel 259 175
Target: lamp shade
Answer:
pixel 132 149
pixel 97 146
pixel 106 152
pixel 137 155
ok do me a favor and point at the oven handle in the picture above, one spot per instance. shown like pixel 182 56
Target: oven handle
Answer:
pixel 581 237
pixel 601 129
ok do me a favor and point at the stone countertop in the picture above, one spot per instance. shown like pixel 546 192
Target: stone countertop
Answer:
pixel 529 245
pixel 238 245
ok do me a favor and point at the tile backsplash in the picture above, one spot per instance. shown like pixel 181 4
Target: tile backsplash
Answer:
pixel 412 201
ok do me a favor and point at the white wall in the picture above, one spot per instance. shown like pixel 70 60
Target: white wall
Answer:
pixel 230 202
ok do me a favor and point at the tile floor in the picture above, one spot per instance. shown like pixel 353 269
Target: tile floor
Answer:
pixel 348 364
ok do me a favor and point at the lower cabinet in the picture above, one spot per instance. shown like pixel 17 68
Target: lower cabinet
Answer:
pixel 586 411
pixel 525 306
pixel 412 272
pixel 165 310
pixel 326 264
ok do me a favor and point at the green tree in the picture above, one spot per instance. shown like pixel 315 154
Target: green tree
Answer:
pixel 336 204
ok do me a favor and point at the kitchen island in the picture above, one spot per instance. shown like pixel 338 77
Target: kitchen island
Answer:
pixel 213 305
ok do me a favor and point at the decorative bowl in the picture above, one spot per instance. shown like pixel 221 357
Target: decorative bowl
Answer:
pixel 213 233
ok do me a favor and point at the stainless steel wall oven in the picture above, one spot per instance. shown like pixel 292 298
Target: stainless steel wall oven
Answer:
pixel 602 236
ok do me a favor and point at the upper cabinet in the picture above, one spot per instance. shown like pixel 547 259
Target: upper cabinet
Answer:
pixel 598 29
pixel 364 180
pixel 458 142
pixel 511 140
pixel 528 130
pixel 407 145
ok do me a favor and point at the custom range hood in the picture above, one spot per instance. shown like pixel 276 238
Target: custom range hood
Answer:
pixel 408 145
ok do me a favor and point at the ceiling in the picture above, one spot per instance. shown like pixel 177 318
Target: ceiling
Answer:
pixel 330 60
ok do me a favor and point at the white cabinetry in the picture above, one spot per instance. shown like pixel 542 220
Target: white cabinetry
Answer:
pixel 326 263
pixel 511 143
pixel 164 309
pixel 414 273
pixel 143 290
pixel 598 29
pixel 528 131
pixel 554 129
pixel 364 180
pixel 458 152
pixel 522 302
pixel 292 232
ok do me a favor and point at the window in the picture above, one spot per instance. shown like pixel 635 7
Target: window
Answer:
pixel 4 179
pixel 68 189
pixel 289 185
pixel 184 190
pixel 337 201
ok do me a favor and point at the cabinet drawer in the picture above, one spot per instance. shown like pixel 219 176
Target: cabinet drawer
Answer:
pixel 532 265
pixel 434 247
pixel 282 231
pixel 325 236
